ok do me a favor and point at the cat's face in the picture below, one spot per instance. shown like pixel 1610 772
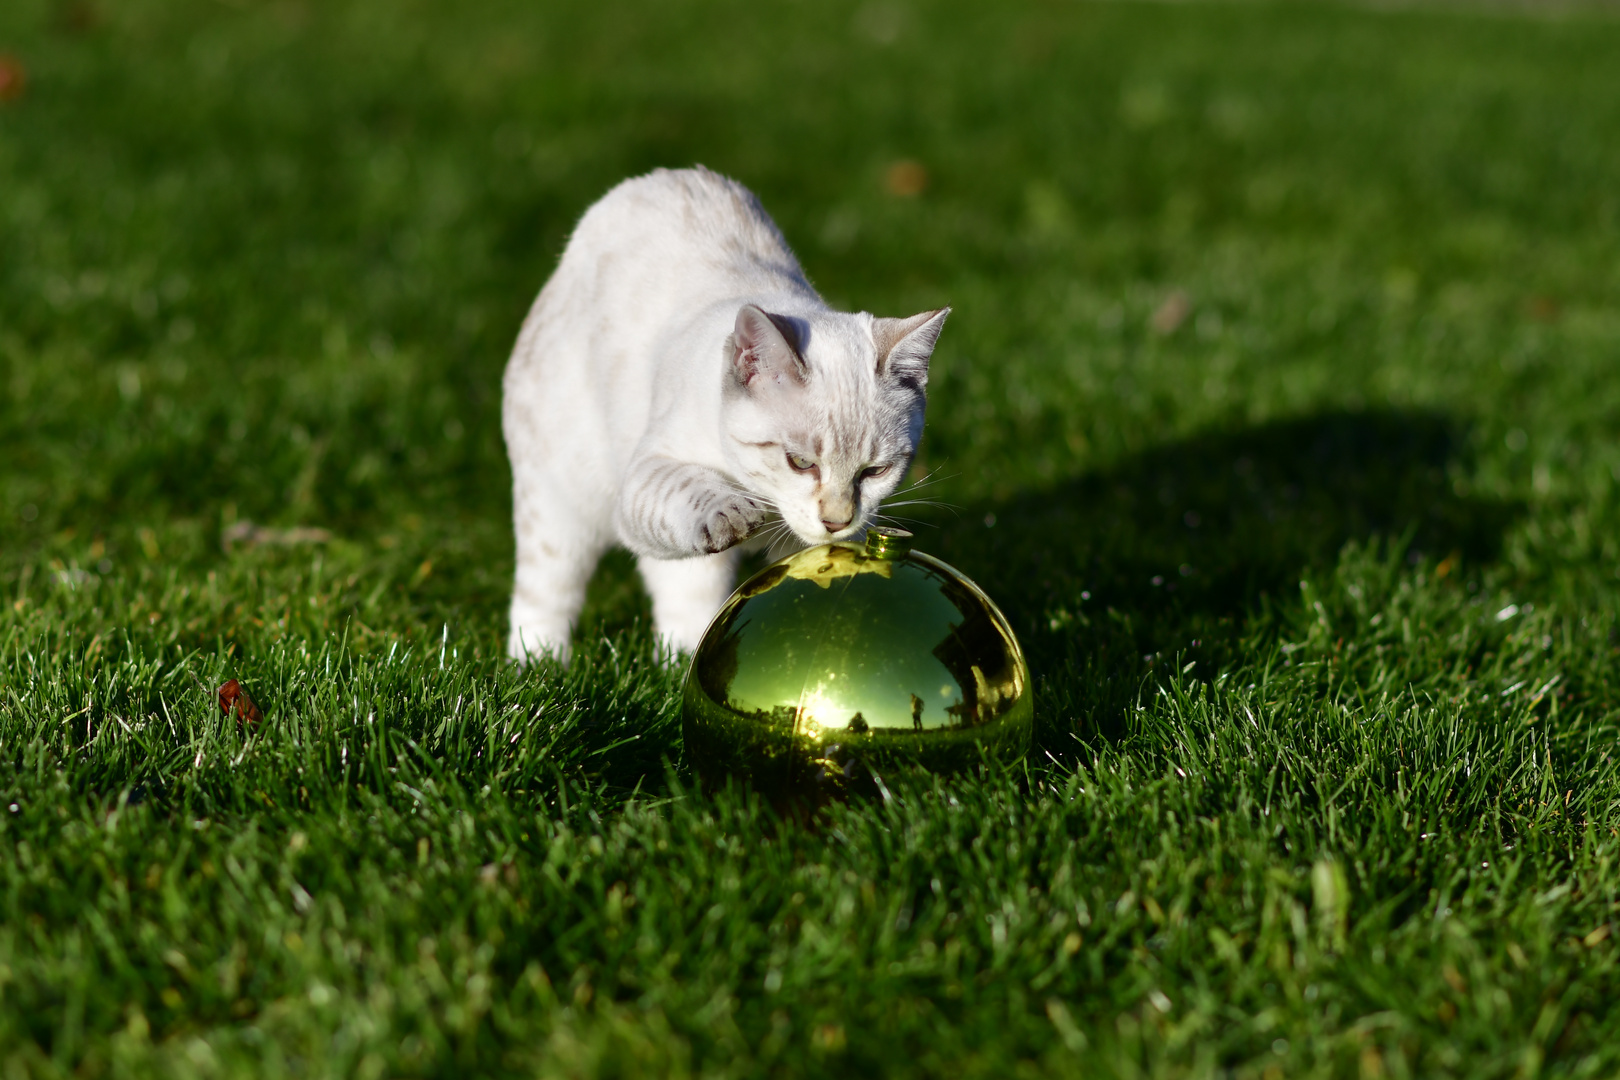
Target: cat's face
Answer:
pixel 823 416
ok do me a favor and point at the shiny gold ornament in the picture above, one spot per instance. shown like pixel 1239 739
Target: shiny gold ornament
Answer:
pixel 836 666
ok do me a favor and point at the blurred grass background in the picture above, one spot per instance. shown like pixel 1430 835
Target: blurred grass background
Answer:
pixel 1277 410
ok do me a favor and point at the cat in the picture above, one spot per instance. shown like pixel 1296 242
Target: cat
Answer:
pixel 677 383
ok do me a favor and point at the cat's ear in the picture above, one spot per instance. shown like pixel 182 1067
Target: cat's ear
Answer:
pixel 763 349
pixel 904 346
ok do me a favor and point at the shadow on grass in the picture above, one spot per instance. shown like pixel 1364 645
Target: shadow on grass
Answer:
pixel 1172 555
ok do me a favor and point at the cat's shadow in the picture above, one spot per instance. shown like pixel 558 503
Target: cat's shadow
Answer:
pixel 1169 553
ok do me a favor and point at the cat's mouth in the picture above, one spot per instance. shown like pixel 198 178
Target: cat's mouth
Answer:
pixel 818 536
pixel 852 531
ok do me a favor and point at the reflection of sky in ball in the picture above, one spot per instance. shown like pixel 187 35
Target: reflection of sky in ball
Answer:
pixel 857 644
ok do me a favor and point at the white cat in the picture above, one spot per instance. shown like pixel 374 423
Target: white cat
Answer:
pixel 677 381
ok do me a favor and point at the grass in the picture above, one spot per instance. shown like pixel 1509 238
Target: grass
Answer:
pixel 1278 411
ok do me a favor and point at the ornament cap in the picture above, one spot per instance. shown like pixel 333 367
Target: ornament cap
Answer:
pixel 886 543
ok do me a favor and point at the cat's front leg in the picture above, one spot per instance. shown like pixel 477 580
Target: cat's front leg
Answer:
pixel 685 595
pixel 674 510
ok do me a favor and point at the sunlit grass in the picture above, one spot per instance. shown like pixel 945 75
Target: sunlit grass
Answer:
pixel 1276 409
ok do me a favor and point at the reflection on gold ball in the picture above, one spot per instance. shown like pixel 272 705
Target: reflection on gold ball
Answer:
pixel 836 666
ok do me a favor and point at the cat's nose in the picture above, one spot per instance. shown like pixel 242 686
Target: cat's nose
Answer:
pixel 834 526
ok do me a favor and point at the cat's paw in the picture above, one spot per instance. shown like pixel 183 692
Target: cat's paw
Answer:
pixel 731 521
pixel 526 644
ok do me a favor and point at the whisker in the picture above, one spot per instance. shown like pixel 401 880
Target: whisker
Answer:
pixel 954 511
pixel 927 480
pixel 925 502
pixel 773 534
pixel 780 544
pixel 910 494
pixel 737 489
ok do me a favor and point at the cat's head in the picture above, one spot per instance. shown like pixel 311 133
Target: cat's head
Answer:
pixel 822 414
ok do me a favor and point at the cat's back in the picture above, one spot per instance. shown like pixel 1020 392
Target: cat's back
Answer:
pixel 692 226
pixel 647 267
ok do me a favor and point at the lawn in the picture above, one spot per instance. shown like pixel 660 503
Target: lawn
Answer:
pixel 1278 410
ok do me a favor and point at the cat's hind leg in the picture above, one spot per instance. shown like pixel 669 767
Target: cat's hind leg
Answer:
pixel 556 553
pixel 685 595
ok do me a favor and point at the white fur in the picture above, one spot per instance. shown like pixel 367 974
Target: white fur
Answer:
pixel 666 372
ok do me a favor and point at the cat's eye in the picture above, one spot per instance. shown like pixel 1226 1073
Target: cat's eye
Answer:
pixel 800 463
pixel 872 472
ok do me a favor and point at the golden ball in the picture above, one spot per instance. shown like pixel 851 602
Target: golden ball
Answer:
pixel 839 665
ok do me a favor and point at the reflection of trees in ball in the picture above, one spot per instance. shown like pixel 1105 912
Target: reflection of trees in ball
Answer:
pixel 720 670
pixel 971 643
